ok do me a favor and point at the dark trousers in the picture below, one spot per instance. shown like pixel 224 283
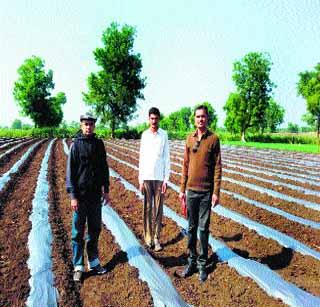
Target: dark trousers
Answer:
pixel 198 211
pixel 89 211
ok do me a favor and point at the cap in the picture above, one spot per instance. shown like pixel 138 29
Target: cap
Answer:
pixel 88 116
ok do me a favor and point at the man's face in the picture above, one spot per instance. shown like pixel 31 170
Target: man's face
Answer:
pixel 87 126
pixel 154 121
pixel 201 119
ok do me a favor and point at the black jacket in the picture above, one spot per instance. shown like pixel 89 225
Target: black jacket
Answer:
pixel 87 167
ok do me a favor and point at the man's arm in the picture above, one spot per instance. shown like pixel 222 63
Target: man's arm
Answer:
pixel 185 167
pixel 217 174
pixel 70 177
pixel 141 160
pixel 105 174
pixel 166 152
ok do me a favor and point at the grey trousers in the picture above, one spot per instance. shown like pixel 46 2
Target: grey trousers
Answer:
pixel 152 210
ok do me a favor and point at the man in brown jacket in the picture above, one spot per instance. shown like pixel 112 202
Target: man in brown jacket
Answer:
pixel 201 177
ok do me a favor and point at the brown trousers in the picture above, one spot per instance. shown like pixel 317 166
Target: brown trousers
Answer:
pixel 152 210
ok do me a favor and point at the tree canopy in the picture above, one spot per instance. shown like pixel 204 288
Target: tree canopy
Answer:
pixel 309 88
pixel 114 90
pixel 32 92
pixel 246 108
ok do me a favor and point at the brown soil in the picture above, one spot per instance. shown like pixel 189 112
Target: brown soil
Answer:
pixel 9 160
pixel 247 243
pixel 120 286
pixel 14 229
pixel 224 286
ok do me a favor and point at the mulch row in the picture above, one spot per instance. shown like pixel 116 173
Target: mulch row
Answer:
pixel 120 286
pixel 248 243
pixel 223 288
pixel 14 230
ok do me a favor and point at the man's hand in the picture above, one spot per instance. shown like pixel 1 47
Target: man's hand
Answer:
pixel 74 204
pixel 141 188
pixel 214 200
pixel 106 197
pixel 182 196
pixel 164 188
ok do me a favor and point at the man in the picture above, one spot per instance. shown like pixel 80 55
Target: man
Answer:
pixel 154 169
pixel 87 183
pixel 201 176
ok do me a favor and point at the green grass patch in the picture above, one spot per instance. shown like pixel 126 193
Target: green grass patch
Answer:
pixel 307 148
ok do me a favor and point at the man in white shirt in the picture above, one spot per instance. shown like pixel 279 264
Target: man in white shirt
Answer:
pixel 154 171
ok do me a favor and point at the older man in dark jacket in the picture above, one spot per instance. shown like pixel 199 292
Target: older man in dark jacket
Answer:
pixel 87 183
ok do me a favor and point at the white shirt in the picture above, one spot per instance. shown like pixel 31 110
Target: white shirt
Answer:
pixel 154 159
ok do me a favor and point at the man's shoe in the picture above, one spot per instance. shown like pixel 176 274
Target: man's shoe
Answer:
pixel 98 269
pixel 77 275
pixel 149 245
pixel 189 270
pixel 203 275
pixel 157 247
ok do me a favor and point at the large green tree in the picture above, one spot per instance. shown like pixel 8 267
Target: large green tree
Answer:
pixel 309 88
pixel 32 91
pixel 114 90
pixel 253 84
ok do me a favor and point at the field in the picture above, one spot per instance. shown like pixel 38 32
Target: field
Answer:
pixel 264 235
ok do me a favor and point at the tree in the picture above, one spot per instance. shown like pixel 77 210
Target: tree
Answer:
pixel 293 128
pixel 274 115
pixel 251 76
pixel 178 120
pixel 212 115
pixel 32 92
pixel 309 88
pixel 113 91
pixel 16 124
pixel 310 120
pixel 234 119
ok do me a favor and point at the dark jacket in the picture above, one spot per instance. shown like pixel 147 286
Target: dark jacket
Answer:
pixel 87 167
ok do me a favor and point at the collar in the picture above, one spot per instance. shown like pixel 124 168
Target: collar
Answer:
pixel 204 136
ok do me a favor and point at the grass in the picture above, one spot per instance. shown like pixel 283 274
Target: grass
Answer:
pixel 307 148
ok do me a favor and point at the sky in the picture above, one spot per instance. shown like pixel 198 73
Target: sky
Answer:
pixel 187 48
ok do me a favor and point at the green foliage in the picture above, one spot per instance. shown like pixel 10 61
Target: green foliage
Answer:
pixel 32 92
pixel 17 124
pixel 247 107
pixel 309 88
pixel 294 128
pixel 212 116
pixel 311 120
pixel 113 91
pixel 177 121
pixel 274 116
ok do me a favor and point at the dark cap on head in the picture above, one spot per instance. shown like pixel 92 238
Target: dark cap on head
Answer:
pixel 88 116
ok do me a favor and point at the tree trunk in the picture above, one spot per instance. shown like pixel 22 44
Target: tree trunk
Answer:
pixel 113 124
pixel 243 136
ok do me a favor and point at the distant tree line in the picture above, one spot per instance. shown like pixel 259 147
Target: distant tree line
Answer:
pixel 114 89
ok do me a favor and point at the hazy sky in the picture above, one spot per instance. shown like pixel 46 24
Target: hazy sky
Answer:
pixel 187 47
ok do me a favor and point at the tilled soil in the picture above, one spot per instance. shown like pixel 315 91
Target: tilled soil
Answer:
pixel 14 229
pixel 224 286
pixel 247 243
pixel 9 160
pixel 120 286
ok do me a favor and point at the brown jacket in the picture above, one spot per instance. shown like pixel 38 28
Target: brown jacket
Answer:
pixel 201 169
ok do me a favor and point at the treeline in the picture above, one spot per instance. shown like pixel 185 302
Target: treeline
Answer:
pixel 114 89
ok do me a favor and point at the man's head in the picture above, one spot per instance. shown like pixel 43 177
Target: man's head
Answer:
pixel 201 117
pixel 154 118
pixel 87 123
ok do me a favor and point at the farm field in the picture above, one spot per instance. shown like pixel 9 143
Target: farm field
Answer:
pixel 264 235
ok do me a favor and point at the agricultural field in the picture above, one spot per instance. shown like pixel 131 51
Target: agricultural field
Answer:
pixel 264 234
